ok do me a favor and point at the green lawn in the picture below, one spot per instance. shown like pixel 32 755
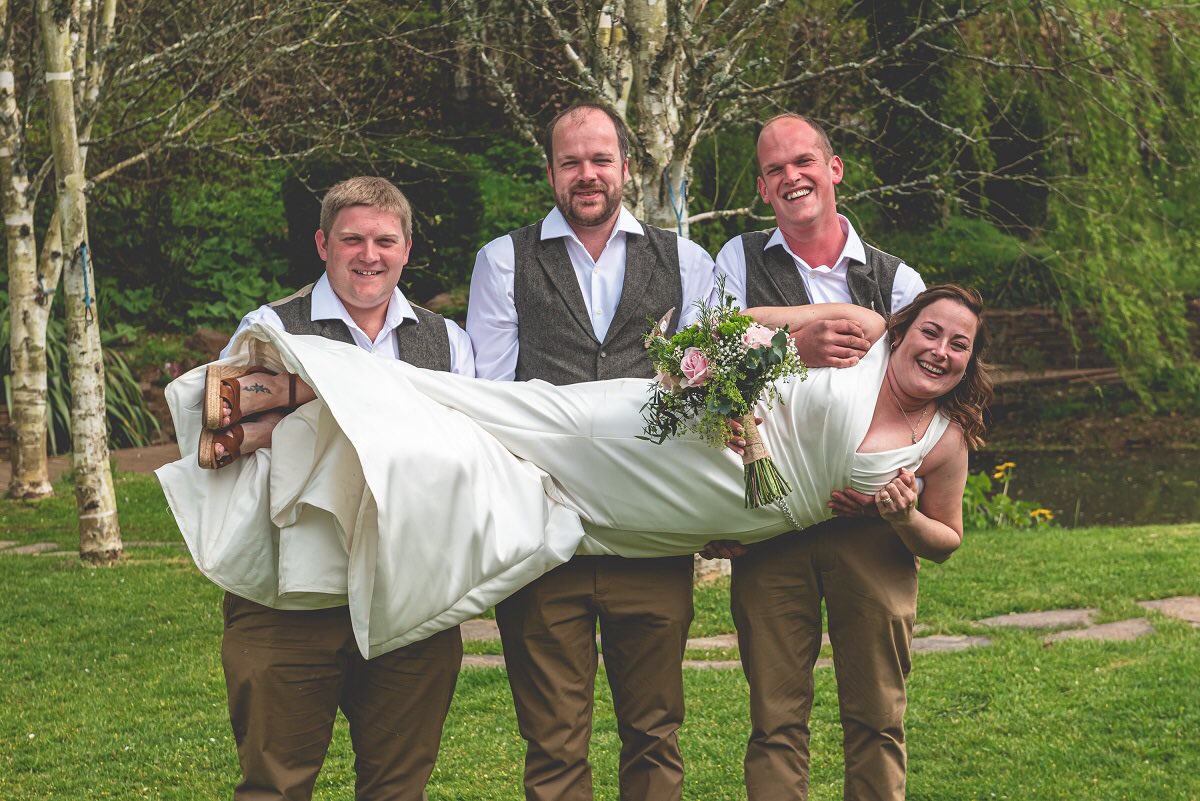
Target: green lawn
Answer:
pixel 110 682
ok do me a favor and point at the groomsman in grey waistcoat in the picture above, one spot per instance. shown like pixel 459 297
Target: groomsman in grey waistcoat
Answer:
pixel 287 672
pixel 567 300
pixel 857 566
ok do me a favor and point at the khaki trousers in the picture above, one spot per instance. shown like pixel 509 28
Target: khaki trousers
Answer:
pixel 288 672
pixel 868 580
pixel 644 608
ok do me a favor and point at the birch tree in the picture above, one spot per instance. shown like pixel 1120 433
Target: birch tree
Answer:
pixel 99 531
pixel 210 62
pixel 662 65
pixel 29 300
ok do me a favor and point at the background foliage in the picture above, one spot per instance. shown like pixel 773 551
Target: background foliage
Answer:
pixel 1040 152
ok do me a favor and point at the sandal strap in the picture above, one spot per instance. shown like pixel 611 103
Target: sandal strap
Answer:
pixel 231 438
pixel 231 393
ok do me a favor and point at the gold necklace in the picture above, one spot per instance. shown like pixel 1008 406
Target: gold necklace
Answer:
pixel 920 420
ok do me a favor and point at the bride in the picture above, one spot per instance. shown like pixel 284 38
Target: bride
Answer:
pixel 421 498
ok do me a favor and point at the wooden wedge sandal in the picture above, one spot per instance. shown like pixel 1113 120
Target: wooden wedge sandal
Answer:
pixel 231 439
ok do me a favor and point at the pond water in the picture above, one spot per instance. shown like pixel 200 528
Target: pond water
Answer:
pixel 1096 488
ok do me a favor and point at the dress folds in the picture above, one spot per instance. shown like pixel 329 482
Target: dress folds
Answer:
pixel 422 498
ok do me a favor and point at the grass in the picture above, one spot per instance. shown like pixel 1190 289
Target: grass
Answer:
pixel 111 686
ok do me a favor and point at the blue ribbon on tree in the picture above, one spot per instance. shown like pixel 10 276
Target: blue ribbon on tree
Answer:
pixel 677 204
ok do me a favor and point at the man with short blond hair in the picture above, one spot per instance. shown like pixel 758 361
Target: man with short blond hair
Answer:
pixel 288 671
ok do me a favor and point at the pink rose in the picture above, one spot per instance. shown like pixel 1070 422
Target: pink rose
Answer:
pixel 757 336
pixel 694 366
pixel 667 381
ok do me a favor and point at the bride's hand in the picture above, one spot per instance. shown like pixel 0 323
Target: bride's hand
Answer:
pixel 723 549
pixel 898 499
pixel 737 444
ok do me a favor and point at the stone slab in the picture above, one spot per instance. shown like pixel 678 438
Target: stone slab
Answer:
pixel 1120 631
pixel 7 544
pixel 36 547
pixel 726 641
pixel 712 664
pixel 709 643
pixel 947 643
pixel 1052 619
pixel 478 630
pixel 482 661
pixel 1184 607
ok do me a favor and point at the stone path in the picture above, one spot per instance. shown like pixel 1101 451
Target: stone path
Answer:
pixel 1069 624
pixel 1064 624
pixel 130 460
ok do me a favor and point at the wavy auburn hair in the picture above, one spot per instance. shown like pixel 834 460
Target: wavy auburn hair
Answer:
pixel 965 403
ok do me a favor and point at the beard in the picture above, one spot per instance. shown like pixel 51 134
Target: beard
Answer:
pixel 592 213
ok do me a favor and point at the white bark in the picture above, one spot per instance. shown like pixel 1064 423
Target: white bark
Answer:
pixel 662 64
pixel 99 532
pixel 29 301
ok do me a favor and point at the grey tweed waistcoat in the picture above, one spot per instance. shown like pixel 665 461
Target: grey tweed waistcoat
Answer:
pixel 423 343
pixel 555 338
pixel 773 280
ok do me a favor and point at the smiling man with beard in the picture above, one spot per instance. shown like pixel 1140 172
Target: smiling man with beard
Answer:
pixel 856 565
pixel 566 300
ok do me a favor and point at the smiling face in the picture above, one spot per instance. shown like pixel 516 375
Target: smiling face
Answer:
pixel 586 169
pixel 798 175
pixel 364 254
pixel 933 356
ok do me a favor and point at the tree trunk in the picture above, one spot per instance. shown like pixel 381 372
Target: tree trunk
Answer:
pixel 653 109
pixel 29 302
pixel 99 532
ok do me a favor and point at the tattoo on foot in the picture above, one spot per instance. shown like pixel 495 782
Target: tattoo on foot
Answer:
pixel 256 388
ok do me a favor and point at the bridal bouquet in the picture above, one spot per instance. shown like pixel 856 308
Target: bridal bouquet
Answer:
pixel 714 370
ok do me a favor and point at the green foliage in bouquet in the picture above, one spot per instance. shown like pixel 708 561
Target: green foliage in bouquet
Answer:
pixel 716 370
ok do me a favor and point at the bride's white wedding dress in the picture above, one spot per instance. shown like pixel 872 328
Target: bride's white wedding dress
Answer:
pixel 422 498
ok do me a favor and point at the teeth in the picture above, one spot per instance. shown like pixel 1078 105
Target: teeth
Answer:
pixel 931 368
pixel 368 272
pixel 797 193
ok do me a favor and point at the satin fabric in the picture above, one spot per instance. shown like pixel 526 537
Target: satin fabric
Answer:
pixel 422 498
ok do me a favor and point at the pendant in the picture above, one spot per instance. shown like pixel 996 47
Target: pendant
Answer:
pixel 914 438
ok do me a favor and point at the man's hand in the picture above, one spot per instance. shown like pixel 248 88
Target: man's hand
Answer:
pixel 737 444
pixel 831 343
pixel 852 503
pixel 724 549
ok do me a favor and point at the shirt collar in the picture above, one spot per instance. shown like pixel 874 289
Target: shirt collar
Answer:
pixel 555 226
pixel 853 250
pixel 326 305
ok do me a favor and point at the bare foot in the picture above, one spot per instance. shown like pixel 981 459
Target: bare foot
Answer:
pixel 256 434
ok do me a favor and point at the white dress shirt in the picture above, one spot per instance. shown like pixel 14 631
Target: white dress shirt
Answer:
pixel 326 305
pixel 823 283
pixel 492 313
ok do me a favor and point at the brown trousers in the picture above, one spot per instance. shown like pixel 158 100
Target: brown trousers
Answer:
pixel 288 672
pixel 868 580
pixel 644 607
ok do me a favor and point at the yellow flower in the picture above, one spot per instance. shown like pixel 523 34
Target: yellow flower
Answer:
pixel 999 474
pixel 1042 515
